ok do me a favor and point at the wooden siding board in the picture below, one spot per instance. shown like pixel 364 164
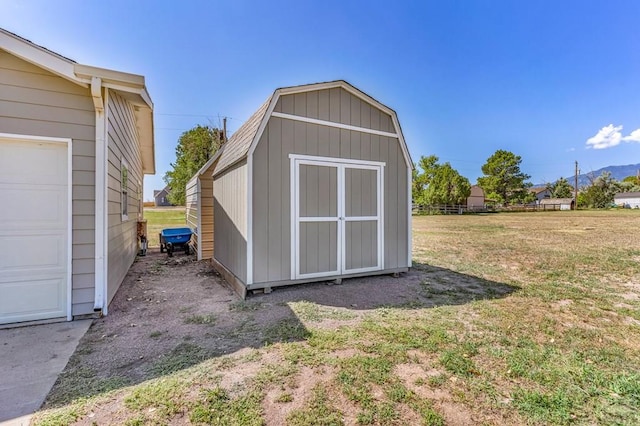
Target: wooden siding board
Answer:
pixel 122 143
pixel 260 201
pixel 274 212
pixel 230 211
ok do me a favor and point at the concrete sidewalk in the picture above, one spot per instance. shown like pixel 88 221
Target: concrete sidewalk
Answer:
pixel 31 358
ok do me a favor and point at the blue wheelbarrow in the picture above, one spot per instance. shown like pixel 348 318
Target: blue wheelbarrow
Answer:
pixel 175 238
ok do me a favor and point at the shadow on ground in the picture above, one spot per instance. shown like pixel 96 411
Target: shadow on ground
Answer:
pixel 173 313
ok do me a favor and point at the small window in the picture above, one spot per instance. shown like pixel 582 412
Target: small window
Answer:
pixel 124 185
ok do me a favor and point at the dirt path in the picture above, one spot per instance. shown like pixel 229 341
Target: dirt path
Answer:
pixel 172 313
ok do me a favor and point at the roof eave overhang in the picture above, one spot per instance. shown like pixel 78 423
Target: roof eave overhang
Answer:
pixel 131 86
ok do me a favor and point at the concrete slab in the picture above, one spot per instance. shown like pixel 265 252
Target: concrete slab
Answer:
pixel 31 359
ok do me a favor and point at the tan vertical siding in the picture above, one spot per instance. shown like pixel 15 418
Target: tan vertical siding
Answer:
pixel 230 212
pixel 192 194
pixel 199 199
pixel 206 218
pixel 123 142
pixel 36 102
pixel 271 170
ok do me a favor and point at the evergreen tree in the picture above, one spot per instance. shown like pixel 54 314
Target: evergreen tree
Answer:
pixel 503 181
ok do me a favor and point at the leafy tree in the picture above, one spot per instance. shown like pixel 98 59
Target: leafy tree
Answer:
pixel 630 184
pixel 503 180
pixel 600 192
pixel 422 175
pixel 435 183
pixel 195 147
pixel 561 189
pixel 447 186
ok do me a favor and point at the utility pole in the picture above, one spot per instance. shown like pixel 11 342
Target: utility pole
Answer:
pixel 224 129
pixel 575 188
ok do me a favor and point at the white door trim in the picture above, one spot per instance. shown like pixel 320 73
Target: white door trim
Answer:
pixel 341 164
pixel 69 146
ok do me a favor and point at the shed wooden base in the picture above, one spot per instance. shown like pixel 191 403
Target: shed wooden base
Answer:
pixel 241 288
pixel 235 283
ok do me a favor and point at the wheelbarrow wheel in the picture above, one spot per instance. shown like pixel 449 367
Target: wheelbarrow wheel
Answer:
pixel 170 249
pixel 161 243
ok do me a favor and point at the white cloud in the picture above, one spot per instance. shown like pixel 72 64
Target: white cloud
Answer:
pixel 607 137
pixel 633 136
pixel 610 136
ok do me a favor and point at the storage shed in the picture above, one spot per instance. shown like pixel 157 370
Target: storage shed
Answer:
pixel 475 200
pixel 199 212
pixel 315 186
pixel 629 200
pixel 75 143
pixel 557 204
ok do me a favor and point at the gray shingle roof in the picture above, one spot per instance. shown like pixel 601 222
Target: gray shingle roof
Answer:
pixel 238 144
pixel 622 195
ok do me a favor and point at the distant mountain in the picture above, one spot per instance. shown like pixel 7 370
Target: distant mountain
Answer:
pixel 617 172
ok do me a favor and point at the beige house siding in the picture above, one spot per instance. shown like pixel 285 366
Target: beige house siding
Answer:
pixel 123 143
pixel 230 211
pixel 271 173
pixel 36 102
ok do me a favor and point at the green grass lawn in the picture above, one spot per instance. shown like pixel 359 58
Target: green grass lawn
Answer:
pixel 563 348
pixel 159 218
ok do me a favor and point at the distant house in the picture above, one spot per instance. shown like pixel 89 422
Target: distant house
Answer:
pixel 541 192
pixel 557 204
pixel 475 200
pixel 160 197
pixel 629 200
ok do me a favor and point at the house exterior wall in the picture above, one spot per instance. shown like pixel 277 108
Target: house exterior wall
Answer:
pixel 36 102
pixel 230 225
pixel 271 216
pixel 122 143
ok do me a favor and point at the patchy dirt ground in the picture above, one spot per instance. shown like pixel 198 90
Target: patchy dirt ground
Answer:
pixel 172 313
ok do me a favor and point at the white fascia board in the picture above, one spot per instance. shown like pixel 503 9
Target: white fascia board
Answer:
pixel 263 123
pixel 101 225
pixel 41 57
pixel 333 124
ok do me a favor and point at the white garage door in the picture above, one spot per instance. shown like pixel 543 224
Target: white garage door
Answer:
pixel 34 230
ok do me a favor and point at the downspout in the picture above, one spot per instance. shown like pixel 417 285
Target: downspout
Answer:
pixel 100 194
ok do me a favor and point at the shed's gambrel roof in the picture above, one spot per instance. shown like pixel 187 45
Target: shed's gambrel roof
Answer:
pixel 241 142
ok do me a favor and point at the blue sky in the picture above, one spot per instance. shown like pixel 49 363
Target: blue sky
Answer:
pixel 552 81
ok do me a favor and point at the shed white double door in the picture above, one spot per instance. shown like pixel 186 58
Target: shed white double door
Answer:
pixel 337 220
